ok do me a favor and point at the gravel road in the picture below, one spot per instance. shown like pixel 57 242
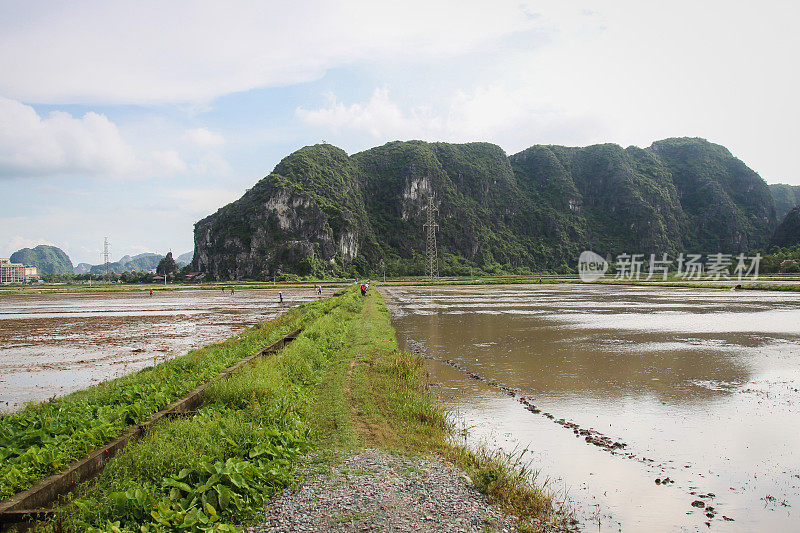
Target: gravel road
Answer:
pixel 378 491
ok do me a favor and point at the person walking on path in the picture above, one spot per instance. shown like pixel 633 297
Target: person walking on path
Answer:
pixel 280 295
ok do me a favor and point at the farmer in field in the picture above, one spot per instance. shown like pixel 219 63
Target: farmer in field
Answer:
pixel 363 290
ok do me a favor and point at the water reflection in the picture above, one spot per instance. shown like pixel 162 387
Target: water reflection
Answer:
pixel 701 385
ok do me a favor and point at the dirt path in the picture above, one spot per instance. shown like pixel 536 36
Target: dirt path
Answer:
pixel 364 429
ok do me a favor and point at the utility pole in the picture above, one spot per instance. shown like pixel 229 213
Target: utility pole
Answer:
pixel 431 225
pixel 106 256
pixel 383 267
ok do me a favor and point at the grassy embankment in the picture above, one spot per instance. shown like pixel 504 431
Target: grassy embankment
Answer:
pixel 44 438
pixel 342 385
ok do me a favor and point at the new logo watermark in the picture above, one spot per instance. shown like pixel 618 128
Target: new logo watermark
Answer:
pixel 591 266
pixel 717 266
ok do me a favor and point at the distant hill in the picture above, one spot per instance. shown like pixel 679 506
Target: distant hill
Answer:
pixel 138 263
pixel 786 197
pixel 184 259
pixel 788 232
pixel 46 259
pixel 82 268
pixel 324 211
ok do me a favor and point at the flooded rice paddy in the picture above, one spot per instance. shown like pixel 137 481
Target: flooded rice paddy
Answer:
pixel 648 409
pixel 53 344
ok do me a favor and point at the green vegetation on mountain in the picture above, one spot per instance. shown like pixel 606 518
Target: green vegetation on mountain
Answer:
pixel 167 266
pixel 47 259
pixel 137 263
pixel 81 268
pixel 322 212
pixel 308 211
pixel 729 206
pixel 786 197
pixel 788 232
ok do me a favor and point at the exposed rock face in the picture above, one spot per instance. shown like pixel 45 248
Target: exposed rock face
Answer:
pixel 81 268
pixel 473 188
pixel 309 209
pixel 539 208
pixel 788 232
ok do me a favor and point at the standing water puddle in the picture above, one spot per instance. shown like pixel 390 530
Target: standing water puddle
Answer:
pixel 610 391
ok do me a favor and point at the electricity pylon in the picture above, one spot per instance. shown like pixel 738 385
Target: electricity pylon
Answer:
pixel 431 225
pixel 106 257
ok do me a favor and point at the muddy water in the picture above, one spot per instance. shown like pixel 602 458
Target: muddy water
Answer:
pixel 608 389
pixel 53 344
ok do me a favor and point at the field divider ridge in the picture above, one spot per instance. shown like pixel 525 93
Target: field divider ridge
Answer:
pixel 31 504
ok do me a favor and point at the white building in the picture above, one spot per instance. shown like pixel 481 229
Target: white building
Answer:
pixel 16 272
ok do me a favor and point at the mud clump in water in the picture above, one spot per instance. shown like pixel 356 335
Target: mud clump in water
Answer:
pixel 591 436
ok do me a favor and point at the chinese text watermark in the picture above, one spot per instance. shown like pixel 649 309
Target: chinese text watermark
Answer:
pixel 718 266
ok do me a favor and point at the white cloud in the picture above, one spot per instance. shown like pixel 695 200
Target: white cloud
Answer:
pixel 212 164
pixel 193 51
pixel 17 242
pixel 201 201
pixel 30 144
pixel 380 117
pixel 162 163
pixel 91 145
pixel 630 73
pixel 495 113
pixel 204 138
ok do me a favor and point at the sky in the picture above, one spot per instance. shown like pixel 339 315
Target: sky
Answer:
pixel 134 120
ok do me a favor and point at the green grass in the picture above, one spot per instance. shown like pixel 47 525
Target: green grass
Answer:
pixel 342 385
pixel 43 438
pixel 394 410
pixel 217 468
pixel 771 287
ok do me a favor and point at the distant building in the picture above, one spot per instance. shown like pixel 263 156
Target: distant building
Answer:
pixel 11 272
pixel 31 274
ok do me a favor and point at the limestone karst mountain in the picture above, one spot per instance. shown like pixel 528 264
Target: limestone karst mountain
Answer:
pixel 322 210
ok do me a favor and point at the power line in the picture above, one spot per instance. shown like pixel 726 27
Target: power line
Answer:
pixel 431 225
